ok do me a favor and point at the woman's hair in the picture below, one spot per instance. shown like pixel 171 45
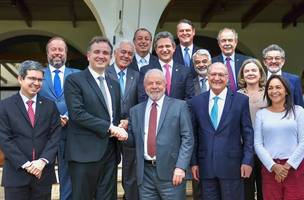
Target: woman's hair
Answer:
pixel 288 105
pixel 241 80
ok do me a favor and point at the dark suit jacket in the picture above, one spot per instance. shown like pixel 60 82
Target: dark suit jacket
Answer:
pixel 18 138
pixel 134 65
pixel 239 59
pixel 220 153
pixel 178 57
pixel 295 87
pixel 174 140
pixel 129 99
pixel 181 82
pixel 88 136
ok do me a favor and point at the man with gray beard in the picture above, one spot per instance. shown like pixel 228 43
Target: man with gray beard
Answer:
pixel 52 88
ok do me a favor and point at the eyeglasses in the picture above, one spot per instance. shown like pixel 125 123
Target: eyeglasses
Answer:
pixel 34 79
pixel 277 58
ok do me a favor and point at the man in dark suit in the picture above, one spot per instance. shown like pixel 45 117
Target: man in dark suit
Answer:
pixel 178 77
pixel 142 40
pixel 274 59
pixel 227 40
pixel 223 135
pixel 128 80
pixel 201 60
pixel 185 32
pixel 160 129
pixel 29 135
pixel 52 88
pixel 93 102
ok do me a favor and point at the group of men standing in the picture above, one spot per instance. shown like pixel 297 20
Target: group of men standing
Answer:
pixel 138 107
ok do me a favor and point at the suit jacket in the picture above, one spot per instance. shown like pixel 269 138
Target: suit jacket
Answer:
pixel 220 153
pixel 295 87
pixel 179 58
pixel 88 136
pixel 181 82
pixel 174 140
pixel 239 59
pixel 134 66
pixel 18 139
pixel 129 99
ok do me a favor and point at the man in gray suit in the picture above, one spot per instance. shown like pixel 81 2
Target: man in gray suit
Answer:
pixel 201 60
pixel 161 131
pixel 127 79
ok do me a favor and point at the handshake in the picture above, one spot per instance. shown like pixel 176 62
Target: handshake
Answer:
pixel 119 132
pixel 36 167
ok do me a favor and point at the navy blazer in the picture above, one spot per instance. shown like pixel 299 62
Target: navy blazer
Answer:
pixel 134 65
pixel 181 82
pixel 239 59
pixel 18 138
pixel 295 87
pixel 179 58
pixel 220 153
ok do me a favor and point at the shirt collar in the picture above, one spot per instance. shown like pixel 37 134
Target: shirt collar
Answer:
pixel 190 47
pixel 147 57
pixel 61 69
pixel 95 74
pixel 159 102
pixel 25 98
pixel 117 69
pixel 277 73
pixel 163 63
pixel 221 96
pixel 231 57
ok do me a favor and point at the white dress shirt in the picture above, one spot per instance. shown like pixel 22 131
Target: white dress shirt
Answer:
pixel 220 103
pixel 138 58
pixel 147 117
pixel 269 74
pixel 190 51
pixel 117 70
pixel 61 74
pixel 162 64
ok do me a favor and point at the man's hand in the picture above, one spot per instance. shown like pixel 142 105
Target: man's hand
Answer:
pixel 124 124
pixel 36 168
pixel 195 172
pixel 246 171
pixel 119 133
pixel 178 176
pixel 280 170
pixel 64 120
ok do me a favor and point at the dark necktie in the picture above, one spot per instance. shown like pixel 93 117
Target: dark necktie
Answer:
pixel 232 85
pixel 57 83
pixel 103 90
pixel 186 57
pixel 203 85
pixel 31 114
pixel 121 75
pixel 152 130
pixel 214 112
pixel 168 78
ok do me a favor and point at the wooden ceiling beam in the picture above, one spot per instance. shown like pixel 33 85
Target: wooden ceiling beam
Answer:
pixel 12 72
pixel 73 13
pixel 24 11
pixel 212 8
pixel 253 11
pixel 164 16
pixel 293 14
pixel 3 80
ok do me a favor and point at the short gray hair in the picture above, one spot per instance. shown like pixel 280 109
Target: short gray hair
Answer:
pixel 202 52
pixel 228 29
pixel 125 41
pixel 273 47
pixel 217 63
pixel 155 71
pixel 29 65
pixel 163 34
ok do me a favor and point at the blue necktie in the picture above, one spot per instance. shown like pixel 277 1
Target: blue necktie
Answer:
pixel 187 57
pixel 203 86
pixel 121 82
pixel 214 112
pixel 57 83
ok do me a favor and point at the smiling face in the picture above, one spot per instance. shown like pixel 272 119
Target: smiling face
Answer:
pixel 165 49
pixel 155 86
pixel 217 77
pixel 185 33
pixel 57 53
pixel 252 74
pixel 99 56
pixel 227 42
pixel 274 61
pixel 123 55
pixel 31 84
pixel 201 63
pixel 276 92
pixel 142 42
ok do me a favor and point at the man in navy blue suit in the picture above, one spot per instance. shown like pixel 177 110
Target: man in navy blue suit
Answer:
pixel 223 135
pixel 227 40
pixel 52 88
pixel 274 59
pixel 185 32
pixel 178 77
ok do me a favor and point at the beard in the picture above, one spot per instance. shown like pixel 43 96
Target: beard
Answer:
pixel 57 63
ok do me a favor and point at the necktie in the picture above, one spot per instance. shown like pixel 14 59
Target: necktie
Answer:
pixel 121 75
pixel 143 61
pixel 186 57
pixel 214 112
pixel 31 114
pixel 203 85
pixel 57 83
pixel 152 130
pixel 168 78
pixel 230 75
pixel 103 90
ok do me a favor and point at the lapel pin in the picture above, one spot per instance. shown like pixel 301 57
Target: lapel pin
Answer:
pixel 176 70
pixel 132 77
pixel 40 102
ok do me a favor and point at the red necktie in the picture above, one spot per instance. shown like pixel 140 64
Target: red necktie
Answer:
pixel 31 114
pixel 168 78
pixel 230 75
pixel 152 130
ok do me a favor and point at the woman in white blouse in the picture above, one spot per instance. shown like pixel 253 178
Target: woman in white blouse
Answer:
pixel 279 143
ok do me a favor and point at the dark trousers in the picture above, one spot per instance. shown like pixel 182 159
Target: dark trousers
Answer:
pixel 196 190
pixel 129 182
pixel 254 182
pixel 222 189
pixel 95 180
pixel 28 192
